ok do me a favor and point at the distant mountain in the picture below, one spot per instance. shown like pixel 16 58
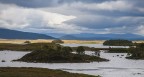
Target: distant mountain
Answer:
pixel 70 37
pixel 56 35
pixel 13 34
pixel 90 36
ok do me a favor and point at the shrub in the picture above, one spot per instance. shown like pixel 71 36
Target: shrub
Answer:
pixel 27 42
pixel 57 41
pixel 80 50
pixel 137 52
pixel 3 61
pixel 66 50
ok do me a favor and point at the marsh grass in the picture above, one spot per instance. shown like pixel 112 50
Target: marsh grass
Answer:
pixel 37 72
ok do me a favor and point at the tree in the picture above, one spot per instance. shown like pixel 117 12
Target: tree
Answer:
pixel 27 42
pixel 80 50
pixel 57 41
pixel 141 45
pixel 137 52
pixel 66 50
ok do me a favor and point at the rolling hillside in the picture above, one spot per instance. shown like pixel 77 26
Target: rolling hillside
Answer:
pixel 13 34
pixel 89 36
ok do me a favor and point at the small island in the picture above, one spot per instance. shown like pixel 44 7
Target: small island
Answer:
pixel 136 52
pixel 59 54
pixel 118 42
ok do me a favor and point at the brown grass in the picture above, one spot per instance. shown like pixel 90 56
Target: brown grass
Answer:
pixel 84 41
pixel 36 72
pixel 139 41
pixel 19 41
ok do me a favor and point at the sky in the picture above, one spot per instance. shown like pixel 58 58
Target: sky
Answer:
pixel 73 16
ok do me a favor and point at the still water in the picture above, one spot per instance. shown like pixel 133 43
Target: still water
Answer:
pixel 94 45
pixel 118 66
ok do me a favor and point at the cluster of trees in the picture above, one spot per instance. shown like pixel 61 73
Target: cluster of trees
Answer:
pixel 80 50
pixel 118 50
pixel 27 42
pixel 136 52
pixel 55 53
pixel 118 43
pixel 51 53
pixel 58 41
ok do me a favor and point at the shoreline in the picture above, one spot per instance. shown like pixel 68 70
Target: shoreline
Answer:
pixel 21 41
pixel 37 72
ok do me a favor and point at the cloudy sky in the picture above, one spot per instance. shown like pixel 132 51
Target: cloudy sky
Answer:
pixel 73 16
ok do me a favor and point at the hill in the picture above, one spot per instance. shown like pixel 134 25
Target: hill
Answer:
pixel 13 34
pixel 90 36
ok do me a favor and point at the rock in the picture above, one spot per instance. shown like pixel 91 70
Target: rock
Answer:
pixel 3 61
pixel 122 55
pixel 138 73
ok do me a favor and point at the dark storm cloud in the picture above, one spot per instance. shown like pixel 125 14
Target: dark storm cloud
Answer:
pixel 84 1
pixel 115 13
pixel 31 3
pixel 139 3
pixel 45 3
pixel 94 22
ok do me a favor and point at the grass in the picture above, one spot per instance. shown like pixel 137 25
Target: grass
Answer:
pixel 23 47
pixel 21 41
pixel 37 72
pixel 83 41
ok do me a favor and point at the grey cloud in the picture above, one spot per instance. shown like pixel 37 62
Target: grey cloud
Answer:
pixel 31 3
pixel 138 3
pixel 100 22
pixel 124 19
pixel 45 3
